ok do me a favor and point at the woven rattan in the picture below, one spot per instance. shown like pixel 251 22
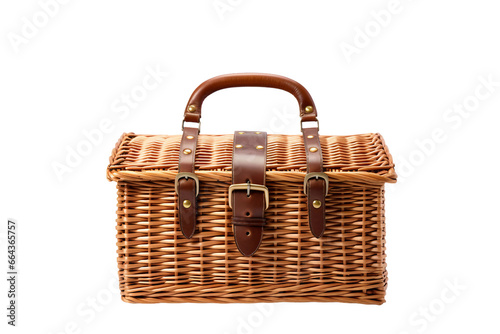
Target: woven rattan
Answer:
pixel 157 264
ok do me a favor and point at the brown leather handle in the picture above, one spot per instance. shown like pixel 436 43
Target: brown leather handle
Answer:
pixel 306 103
pixel 315 184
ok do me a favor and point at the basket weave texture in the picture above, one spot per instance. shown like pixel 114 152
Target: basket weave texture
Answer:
pixel 158 264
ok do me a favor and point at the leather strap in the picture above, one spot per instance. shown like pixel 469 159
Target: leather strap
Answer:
pixel 315 187
pixel 186 186
pixel 315 184
pixel 249 167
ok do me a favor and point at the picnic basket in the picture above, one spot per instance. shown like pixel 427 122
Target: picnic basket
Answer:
pixel 251 217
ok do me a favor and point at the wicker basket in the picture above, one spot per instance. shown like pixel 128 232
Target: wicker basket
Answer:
pixel 158 263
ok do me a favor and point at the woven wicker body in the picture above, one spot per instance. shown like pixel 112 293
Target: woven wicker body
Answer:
pixel 158 264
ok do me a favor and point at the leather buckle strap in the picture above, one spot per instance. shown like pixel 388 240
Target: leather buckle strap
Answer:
pixel 187 175
pixel 249 187
pixel 315 183
pixel 254 221
pixel 316 175
pixel 248 195
pixel 187 185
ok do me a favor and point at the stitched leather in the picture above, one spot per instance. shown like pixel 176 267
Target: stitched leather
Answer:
pixel 249 165
pixel 187 186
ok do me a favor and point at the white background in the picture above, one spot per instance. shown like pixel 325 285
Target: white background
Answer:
pixel 68 76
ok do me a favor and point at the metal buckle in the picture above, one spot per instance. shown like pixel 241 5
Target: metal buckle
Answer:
pixel 187 175
pixel 248 186
pixel 198 125
pixel 316 175
pixel 309 127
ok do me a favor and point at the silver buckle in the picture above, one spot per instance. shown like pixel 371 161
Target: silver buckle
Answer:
pixel 198 125
pixel 186 175
pixel 316 175
pixel 248 186
pixel 309 127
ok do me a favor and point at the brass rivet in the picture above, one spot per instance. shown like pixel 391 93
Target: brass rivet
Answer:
pixel 187 151
pixel 189 137
pixel 313 149
pixel 192 108
pixel 186 204
pixel 259 147
pixel 239 146
pixel 310 136
pixel 241 132
pixel 308 109
pixel 257 133
pixel 316 204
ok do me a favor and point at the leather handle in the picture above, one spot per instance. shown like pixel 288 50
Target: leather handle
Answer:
pixel 306 103
pixel 316 188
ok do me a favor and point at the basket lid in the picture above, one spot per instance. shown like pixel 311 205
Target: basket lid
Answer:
pixel 357 158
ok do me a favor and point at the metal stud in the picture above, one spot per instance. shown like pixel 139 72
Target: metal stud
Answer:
pixel 310 136
pixel 316 204
pixel 313 149
pixel 241 132
pixel 257 133
pixel 239 146
pixel 189 137
pixel 187 151
pixel 192 108
pixel 186 204
pixel 259 147
pixel 308 109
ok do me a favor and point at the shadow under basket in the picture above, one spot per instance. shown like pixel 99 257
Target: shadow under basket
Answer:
pixel 157 263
